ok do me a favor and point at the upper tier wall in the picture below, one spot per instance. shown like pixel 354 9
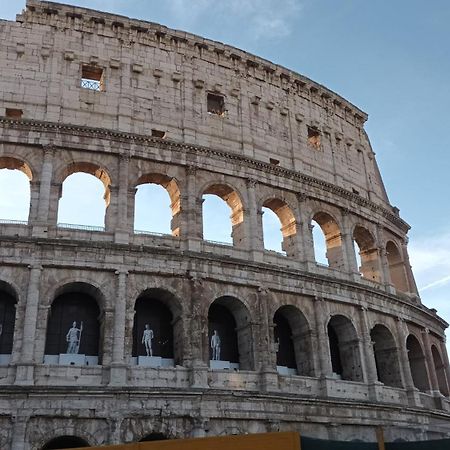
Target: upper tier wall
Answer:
pixel 157 78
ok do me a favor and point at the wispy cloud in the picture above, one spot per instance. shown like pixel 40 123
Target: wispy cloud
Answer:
pixel 258 18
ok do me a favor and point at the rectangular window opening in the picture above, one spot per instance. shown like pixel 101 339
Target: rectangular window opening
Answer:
pixel 314 138
pixel 158 133
pixel 274 161
pixel 216 104
pixel 92 78
pixel 13 113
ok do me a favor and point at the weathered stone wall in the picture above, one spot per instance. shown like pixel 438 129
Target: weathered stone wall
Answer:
pixel 156 78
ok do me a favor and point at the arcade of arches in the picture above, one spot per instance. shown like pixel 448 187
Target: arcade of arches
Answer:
pixel 381 262
pixel 75 335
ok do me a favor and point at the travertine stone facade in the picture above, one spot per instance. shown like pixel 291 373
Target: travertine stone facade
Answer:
pixel 367 352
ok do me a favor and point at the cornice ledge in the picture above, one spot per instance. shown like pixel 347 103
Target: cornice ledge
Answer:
pixel 177 146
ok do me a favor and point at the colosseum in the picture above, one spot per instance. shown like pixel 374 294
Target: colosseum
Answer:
pixel 110 335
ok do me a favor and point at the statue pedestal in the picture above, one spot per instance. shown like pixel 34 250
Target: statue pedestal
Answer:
pixel 221 365
pixel 283 370
pixel 150 361
pixel 72 359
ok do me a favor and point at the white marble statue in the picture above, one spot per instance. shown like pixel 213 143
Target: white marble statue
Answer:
pixel 147 339
pixel 215 346
pixel 73 337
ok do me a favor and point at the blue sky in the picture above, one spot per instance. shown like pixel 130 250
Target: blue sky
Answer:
pixel 390 58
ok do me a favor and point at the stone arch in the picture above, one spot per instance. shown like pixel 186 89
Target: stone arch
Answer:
pixel 233 199
pixel 12 163
pixel 368 252
pixel 288 223
pixel 161 310
pixel 78 303
pixel 231 319
pixel 170 184
pixel 439 368
pixel 344 348
pixel 333 238
pixel 67 441
pixel 386 356
pixel 293 332
pixel 417 363
pixel 396 267
pixel 92 169
pixel 8 302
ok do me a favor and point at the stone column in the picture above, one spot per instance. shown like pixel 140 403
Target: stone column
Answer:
pixel 369 355
pixel 122 228
pixel 411 391
pixel 254 229
pixel 445 361
pixel 35 187
pixel 43 208
pixel 19 428
pixel 266 357
pixel 409 275
pixel 199 348
pixel 384 263
pixel 118 365
pixel 347 245
pixel 321 319
pixel 191 212
pixel 25 367
pixel 429 362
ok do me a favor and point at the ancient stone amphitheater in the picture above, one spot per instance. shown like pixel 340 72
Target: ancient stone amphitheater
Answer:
pixel 332 350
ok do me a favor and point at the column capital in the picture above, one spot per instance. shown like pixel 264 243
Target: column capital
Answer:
pixel 35 266
pixel 191 170
pixel 251 182
pixel 301 197
pixel 49 149
pixel 426 330
pixel 345 212
pixel 124 158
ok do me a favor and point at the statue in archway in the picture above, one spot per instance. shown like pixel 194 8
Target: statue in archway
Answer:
pixel 73 337
pixel 215 346
pixel 147 338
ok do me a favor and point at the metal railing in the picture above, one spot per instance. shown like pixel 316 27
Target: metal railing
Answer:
pixel 226 244
pixel 152 233
pixel 73 226
pixel 93 85
pixel 13 222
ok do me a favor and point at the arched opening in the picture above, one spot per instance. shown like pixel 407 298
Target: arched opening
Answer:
pixel 157 205
pixel 293 340
pixel 65 442
pixel 153 437
pixel 386 356
pixel 73 329
pixel 283 213
pixel 8 302
pixel 440 371
pixel 417 364
pixel 15 177
pixel 344 349
pixel 215 220
pixel 333 240
pixel 230 335
pixel 157 330
pixel 368 254
pixel 396 267
pixel 85 195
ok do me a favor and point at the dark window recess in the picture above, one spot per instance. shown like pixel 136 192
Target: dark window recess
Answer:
pixel 274 161
pixel 13 113
pixel 152 312
pixel 7 319
pixel 335 352
pixel 158 133
pixel 92 78
pixel 314 137
pixel 283 337
pixel 66 309
pixel 355 191
pixel 216 104
pixel 222 321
